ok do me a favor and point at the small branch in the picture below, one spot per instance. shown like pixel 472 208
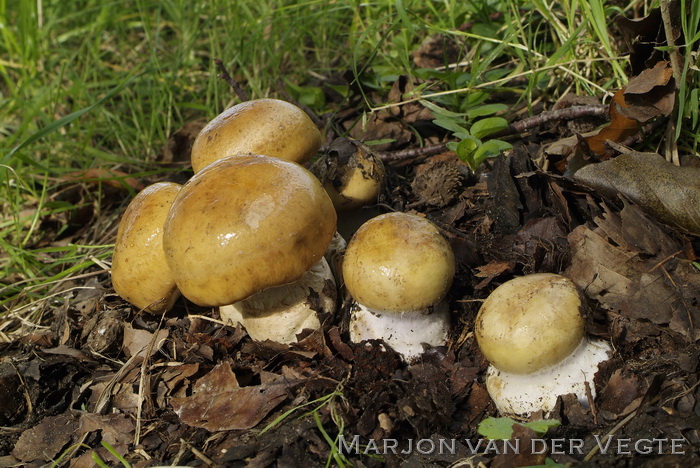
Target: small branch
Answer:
pixel 671 146
pixel 412 153
pixel 224 75
pixel 283 91
pixel 568 113
pixel 670 41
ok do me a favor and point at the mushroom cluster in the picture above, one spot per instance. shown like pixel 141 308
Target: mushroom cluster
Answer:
pixel 531 330
pixel 247 232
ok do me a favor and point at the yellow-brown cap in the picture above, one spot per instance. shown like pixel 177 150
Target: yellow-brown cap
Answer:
pixel 243 224
pixel 530 322
pixel 140 273
pixel 398 262
pixel 261 126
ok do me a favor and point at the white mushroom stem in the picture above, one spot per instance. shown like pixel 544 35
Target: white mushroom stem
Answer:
pixel 281 313
pixel 522 394
pixel 405 332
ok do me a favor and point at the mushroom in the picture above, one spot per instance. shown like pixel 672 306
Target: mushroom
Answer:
pixel 531 330
pixel 250 223
pixel 262 126
pixel 351 174
pixel 398 268
pixel 140 273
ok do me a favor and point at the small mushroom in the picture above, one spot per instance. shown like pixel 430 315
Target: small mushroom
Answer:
pixel 262 126
pixel 351 174
pixel 531 330
pixel 140 273
pixel 398 268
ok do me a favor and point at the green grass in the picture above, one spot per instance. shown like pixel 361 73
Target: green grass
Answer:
pixel 103 85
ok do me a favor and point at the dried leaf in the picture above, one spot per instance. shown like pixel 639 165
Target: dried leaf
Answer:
pixel 115 429
pixel 650 94
pixel 136 341
pixel 218 403
pixel 645 36
pixel 667 192
pixel 619 128
pixel 45 440
pixel 656 288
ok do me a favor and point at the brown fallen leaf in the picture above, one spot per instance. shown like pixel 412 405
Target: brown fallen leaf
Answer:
pixel 45 440
pixel 612 266
pixel 218 403
pixel 645 36
pixel 619 128
pixel 115 429
pixel 669 193
pixel 136 342
pixel 650 94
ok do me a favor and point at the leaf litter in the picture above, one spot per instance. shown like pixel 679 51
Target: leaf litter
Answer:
pixel 184 389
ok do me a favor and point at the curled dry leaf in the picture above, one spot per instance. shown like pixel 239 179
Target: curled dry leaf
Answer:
pixel 669 193
pixel 218 403
pixel 619 128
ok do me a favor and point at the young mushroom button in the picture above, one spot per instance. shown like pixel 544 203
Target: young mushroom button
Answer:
pixel 531 330
pixel 398 268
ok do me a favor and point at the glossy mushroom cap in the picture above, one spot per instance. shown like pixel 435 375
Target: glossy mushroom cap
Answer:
pixel 398 262
pixel 530 323
pixel 140 273
pixel 262 126
pixel 244 224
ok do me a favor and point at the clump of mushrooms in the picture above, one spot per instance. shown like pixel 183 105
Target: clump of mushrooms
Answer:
pixel 531 330
pixel 140 273
pixel 251 231
pixel 261 126
pixel 398 268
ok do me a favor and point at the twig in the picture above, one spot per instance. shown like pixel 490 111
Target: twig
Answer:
pixel 670 140
pixel 283 91
pixel 412 153
pixel 568 113
pixel 224 75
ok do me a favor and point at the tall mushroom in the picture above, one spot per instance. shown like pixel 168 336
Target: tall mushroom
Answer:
pixel 398 268
pixel 531 329
pixel 140 272
pixel 245 224
pixel 261 126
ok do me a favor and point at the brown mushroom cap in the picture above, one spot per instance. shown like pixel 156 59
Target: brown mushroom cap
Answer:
pixel 140 273
pixel 398 262
pixel 262 126
pixel 243 224
pixel 530 322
